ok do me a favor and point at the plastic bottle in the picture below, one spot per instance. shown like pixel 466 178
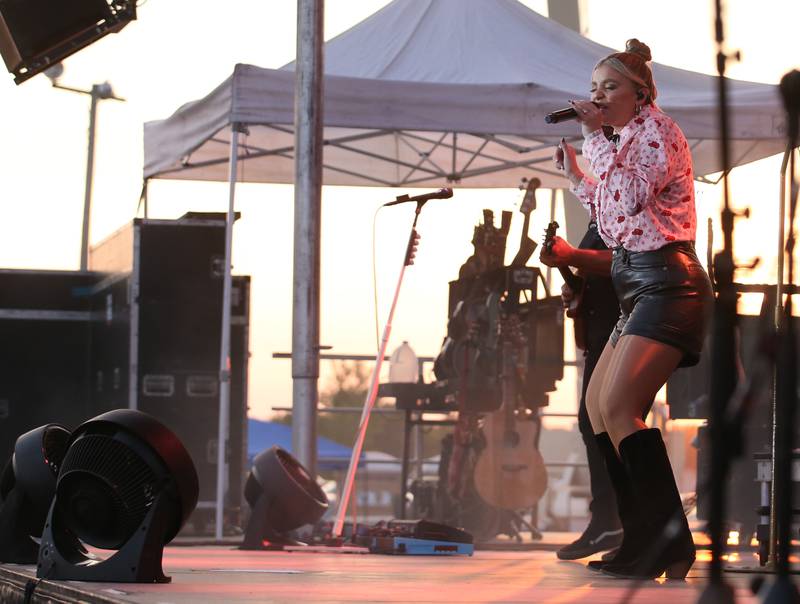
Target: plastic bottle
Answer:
pixel 403 365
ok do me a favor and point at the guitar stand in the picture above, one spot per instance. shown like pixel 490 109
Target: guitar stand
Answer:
pixel 517 523
pixel 512 524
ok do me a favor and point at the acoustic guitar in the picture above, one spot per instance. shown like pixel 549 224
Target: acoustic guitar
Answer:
pixel 510 472
pixel 575 283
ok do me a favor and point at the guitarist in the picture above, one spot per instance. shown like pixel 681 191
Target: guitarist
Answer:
pixel 598 311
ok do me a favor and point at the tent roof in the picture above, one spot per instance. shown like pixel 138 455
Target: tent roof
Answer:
pixel 430 92
pixel 477 42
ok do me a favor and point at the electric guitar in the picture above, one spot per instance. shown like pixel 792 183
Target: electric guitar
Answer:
pixel 575 283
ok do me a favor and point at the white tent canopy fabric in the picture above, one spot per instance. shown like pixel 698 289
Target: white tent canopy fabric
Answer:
pixel 435 92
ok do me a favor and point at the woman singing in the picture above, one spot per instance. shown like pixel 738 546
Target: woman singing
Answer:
pixel 642 199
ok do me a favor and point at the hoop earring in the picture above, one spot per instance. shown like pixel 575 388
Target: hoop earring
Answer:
pixel 637 109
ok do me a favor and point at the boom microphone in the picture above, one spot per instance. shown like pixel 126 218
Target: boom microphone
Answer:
pixel 445 193
pixel 562 115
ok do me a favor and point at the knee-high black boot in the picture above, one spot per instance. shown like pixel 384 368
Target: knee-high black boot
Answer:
pixel 629 513
pixel 666 544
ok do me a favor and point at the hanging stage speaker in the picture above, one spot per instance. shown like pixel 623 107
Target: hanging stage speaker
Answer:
pixel 283 496
pixel 27 486
pixel 127 484
pixel 35 34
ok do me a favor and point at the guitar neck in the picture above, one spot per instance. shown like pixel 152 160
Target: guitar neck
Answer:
pixel 571 279
pixel 525 225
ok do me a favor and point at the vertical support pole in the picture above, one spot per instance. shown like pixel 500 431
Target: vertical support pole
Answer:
pixel 566 12
pixel 133 325
pixel 225 341
pixel 145 199
pixel 723 361
pixel 453 173
pixel 307 217
pixel 98 93
pixel 772 557
pixel 87 195
pixel 419 452
pixel 407 423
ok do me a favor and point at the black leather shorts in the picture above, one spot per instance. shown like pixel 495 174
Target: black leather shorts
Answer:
pixel 664 295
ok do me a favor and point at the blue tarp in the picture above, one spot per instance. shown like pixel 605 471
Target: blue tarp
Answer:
pixel 262 435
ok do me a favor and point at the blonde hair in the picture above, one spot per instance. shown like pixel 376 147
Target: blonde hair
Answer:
pixel 634 64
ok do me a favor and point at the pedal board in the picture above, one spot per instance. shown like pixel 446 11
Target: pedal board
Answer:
pixel 416 538
pixel 416 547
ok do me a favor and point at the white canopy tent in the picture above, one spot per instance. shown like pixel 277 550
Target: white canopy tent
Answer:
pixel 435 92
pixel 430 92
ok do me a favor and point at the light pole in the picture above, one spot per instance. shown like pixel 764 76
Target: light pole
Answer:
pixel 97 93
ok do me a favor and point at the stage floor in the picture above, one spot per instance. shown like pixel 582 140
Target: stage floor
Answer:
pixel 211 574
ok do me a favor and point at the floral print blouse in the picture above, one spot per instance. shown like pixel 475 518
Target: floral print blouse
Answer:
pixel 643 197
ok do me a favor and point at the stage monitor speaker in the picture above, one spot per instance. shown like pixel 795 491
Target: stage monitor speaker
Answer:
pixel 35 34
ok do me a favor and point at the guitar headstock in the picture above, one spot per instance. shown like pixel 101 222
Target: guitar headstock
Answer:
pixel 529 200
pixel 549 234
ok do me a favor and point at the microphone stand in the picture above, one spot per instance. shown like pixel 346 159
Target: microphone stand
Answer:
pixel 725 436
pixel 783 590
pixel 372 393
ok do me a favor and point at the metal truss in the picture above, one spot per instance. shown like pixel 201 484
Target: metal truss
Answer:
pixel 462 155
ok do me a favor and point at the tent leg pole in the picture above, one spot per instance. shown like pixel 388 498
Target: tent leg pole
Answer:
pixel 307 217
pixel 225 342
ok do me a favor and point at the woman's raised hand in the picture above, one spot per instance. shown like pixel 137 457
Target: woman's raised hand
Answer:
pixel 565 159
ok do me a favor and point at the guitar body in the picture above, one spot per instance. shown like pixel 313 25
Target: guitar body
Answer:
pixel 510 472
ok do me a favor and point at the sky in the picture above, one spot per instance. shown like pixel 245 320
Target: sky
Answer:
pixel 179 50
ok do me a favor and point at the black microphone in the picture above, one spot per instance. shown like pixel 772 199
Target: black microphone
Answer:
pixel 562 115
pixel 440 194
